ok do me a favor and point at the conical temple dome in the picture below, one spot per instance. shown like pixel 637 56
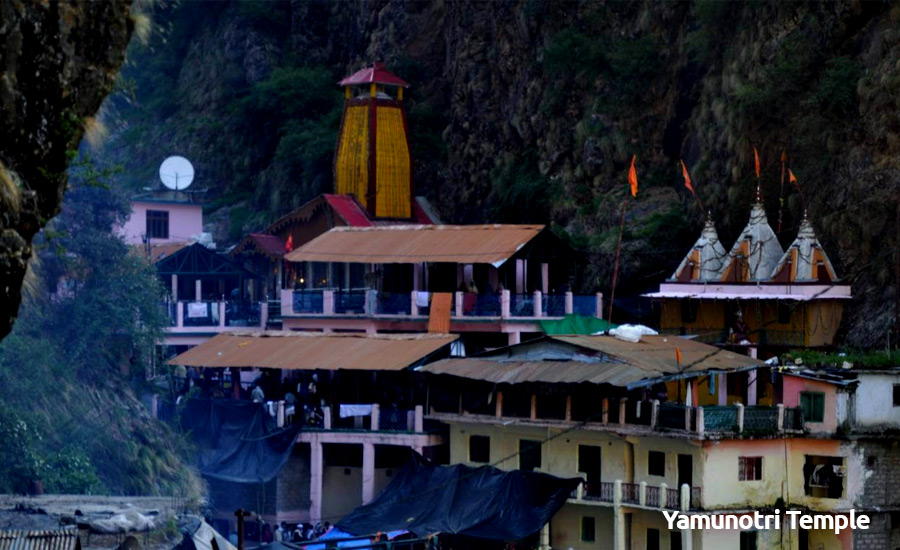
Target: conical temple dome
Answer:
pixel 805 260
pixel 704 261
pixel 756 252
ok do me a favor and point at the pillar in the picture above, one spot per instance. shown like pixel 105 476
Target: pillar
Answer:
pixel 498 410
pixel 654 413
pixel 376 416
pixel 413 306
pixel 279 417
pixel 287 302
pixel 198 290
pixel 599 306
pixel 264 314
pixel 545 278
pixel 315 480
pixel 368 473
pixel 179 315
pixel 779 417
pixel 740 417
pixel 642 493
pixel 604 411
pixel 663 495
pixel 752 377
pixel 419 421
pixel 570 303
pixel 326 418
pixel 504 304
pixel 533 407
pixel 538 304
pixel 458 296
pixel 685 497
pixel 687 539
pixel 623 404
pixel 701 421
pixel 568 408
pixel 619 535
pixel 545 537
pixel 722 389
pixel 328 302
pixel 514 338
pixel 175 287
pixel 221 306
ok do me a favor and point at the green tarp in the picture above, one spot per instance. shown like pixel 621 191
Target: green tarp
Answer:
pixel 575 324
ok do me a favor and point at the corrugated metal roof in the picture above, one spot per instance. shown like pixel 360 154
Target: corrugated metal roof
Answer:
pixel 63 539
pixel 314 351
pixel 268 245
pixel 616 362
pixel 402 244
pixel 160 252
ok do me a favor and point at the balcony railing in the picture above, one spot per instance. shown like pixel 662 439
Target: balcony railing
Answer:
pixel 639 494
pixel 213 316
pixel 372 303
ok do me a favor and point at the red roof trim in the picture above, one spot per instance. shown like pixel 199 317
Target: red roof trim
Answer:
pixel 377 73
pixel 349 209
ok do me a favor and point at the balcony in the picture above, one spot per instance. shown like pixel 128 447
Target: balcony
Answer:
pixel 215 316
pixel 648 417
pixel 369 303
pixel 638 495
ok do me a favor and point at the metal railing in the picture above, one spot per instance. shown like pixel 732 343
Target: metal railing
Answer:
pixel 696 502
pixel 200 314
pixel 521 305
pixel 394 420
pixel 239 313
pixel 350 302
pixel 630 493
pixel 651 496
pixel 554 305
pixel 672 416
pixel 673 500
pixel 308 301
pixel 393 303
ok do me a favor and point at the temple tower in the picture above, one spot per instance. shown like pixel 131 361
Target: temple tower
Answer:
pixel 372 161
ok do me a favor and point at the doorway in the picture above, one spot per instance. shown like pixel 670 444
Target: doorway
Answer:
pixel 685 470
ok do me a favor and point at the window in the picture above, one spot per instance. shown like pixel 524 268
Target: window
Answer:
pixel 823 476
pixel 749 468
pixel 529 454
pixel 813 406
pixel 897 395
pixel 656 463
pixel 479 448
pixel 748 540
pixel 674 540
pixel 784 313
pixel 157 224
pixel 588 529
pixel 652 539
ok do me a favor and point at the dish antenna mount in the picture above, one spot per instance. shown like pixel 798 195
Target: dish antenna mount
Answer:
pixel 176 173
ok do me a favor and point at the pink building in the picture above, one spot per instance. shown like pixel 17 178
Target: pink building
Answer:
pixel 162 218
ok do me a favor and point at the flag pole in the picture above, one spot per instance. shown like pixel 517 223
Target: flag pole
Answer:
pixel 612 292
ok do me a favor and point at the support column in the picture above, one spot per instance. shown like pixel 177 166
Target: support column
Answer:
pixel 376 417
pixel 316 471
pixel 413 306
pixel 654 413
pixel 623 405
pixel 722 389
pixel 458 297
pixel 568 408
pixel 538 304
pixel 264 314
pixel 498 410
pixel 599 311
pixel 368 473
pixel 779 418
pixel 545 278
pixel 752 377
pixel 545 536
pixel 687 539
pixel 570 303
pixel 619 535
pixel 198 290
pixel 328 302
pixel 504 304
pixel 515 338
pixel 740 417
pixel 221 306
pixel 179 315
pixel 175 287
pixel 419 420
pixel 533 407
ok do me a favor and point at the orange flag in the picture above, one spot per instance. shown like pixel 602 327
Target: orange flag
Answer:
pixel 784 155
pixel 678 356
pixel 289 245
pixel 687 178
pixel 756 160
pixel 632 177
pixel 791 177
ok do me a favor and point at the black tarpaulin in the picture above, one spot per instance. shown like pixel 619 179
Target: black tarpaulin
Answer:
pixel 237 440
pixel 482 502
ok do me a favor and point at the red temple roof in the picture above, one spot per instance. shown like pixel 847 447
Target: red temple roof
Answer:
pixel 377 73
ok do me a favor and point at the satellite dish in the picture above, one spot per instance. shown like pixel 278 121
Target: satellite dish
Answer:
pixel 176 173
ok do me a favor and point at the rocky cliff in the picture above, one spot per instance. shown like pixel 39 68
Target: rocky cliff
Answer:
pixel 58 61
pixel 530 110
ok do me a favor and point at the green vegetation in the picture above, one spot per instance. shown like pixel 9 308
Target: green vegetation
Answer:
pixel 855 357
pixel 79 350
pixel 520 194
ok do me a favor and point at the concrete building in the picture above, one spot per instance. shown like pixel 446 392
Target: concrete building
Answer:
pixel 648 435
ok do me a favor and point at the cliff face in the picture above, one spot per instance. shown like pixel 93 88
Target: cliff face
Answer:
pixel 530 110
pixel 58 61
